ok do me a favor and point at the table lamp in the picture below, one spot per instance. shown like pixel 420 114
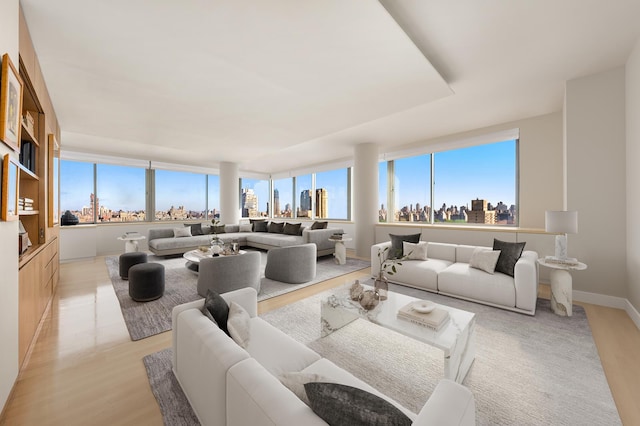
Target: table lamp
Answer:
pixel 561 223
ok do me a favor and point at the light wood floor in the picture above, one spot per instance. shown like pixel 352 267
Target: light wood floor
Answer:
pixel 84 369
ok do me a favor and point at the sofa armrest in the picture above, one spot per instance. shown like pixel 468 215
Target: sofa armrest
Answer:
pixel 320 237
pixel 156 233
pixel 375 261
pixel 246 297
pixel 256 397
pixel 450 404
pixel 526 281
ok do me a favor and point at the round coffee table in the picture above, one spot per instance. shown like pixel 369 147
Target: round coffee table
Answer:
pixel 194 257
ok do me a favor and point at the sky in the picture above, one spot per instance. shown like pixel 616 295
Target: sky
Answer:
pixel 485 172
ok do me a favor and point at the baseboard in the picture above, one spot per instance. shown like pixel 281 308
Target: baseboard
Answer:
pixel 600 299
pixel 633 314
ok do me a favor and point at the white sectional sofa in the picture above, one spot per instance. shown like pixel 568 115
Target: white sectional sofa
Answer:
pixel 447 271
pixel 163 243
pixel 229 385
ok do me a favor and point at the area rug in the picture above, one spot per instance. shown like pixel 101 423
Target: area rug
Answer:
pixel 537 370
pixel 144 319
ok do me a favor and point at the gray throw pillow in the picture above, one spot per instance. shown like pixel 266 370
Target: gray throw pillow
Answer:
pixel 259 225
pixel 509 255
pixel 319 225
pixel 292 228
pixel 276 228
pixel 218 309
pixel 218 229
pixel 396 252
pixel 339 404
pixel 196 228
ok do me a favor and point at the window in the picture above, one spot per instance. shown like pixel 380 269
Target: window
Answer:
pixel 382 191
pixel 411 189
pixel 213 196
pixel 304 190
pixel 283 198
pixel 121 193
pixel 476 184
pixel 77 189
pixel 179 195
pixel 254 197
pixel 332 194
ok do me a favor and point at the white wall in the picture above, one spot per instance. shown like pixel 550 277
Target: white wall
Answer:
pixel 9 18
pixel 596 180
pixel 632 71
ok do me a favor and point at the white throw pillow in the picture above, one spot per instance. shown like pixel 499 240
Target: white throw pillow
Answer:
pixel 295 382
pixel 415 251
pixel 238 324
pixel 246 227
pixel 484 259
pixel 182 232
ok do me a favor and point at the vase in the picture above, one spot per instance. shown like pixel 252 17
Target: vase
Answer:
pixel 381 287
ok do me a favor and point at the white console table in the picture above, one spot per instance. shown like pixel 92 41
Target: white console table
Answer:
pixel 561 286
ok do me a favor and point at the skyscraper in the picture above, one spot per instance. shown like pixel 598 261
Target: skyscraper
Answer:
pixel 322 203
pixel 304 210
pixel 249 203
pixel 276 203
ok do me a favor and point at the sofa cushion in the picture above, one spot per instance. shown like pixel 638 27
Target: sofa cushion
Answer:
pixel 218 308
pixel 461 280
pixel 342 404
pixel 415 251
pixel 509 255
pixel 245 227
pixel 259 225
pixel 196 228
pixel 181 232
pixel 295 381
pixel 218 229
pixel 423 274
pixel 442 251
pixel 396 250
pixel 292 228
pixel 275 240
pixel 276 227
pixel 320 224
pixel 484 259
pixel 179 243
pixel 239 325
pixel 276 351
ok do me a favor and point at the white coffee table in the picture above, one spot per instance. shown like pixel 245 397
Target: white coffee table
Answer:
pixel 456 338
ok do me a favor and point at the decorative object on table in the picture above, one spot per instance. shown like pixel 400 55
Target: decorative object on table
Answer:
pixel 68 218
pixel 424 313
pixel 369 300
pixel 356 290
pixel 9 189
pixel 561 223
pixel 10 104
pixel 337 236
pixel 204 249
pixel 387 267
pixel 217 245
pixel 23 239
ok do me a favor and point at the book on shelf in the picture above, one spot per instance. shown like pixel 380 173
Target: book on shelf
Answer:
pixel 433 320
pixel 569 261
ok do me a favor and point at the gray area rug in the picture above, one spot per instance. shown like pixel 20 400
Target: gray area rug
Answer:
pixel 542 370
pixel 146 319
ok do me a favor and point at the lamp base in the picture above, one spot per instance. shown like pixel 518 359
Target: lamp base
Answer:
pixel 561 246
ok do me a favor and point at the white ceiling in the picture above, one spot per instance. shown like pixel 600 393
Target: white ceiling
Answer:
pixel 277 85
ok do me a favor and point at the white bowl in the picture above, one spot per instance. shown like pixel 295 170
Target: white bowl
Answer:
pixel 423 306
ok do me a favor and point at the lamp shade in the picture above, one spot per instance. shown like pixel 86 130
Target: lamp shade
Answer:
pixel 561 222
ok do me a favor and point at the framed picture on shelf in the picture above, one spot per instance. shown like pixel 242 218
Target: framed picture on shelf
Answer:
pixel 10 104
pixel 9 210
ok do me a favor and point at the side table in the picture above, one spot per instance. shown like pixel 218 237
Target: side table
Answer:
pixel 131 241
pixel 561 286
pixel 341 250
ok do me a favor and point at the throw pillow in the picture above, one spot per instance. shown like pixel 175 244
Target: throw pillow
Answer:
pixel 396 252
pixel 509 255
pixel 484 259
pixel 217 229
pixel 218 309
pixel 238 324
pixel 339 404
pixel 196 228
pixel 295 381
pixel 292 228
pixel 319 225
pixel 276 228
pixel 181 232
pixel 207 314
pixel 415 251
pixel 259 225
pixel 245 227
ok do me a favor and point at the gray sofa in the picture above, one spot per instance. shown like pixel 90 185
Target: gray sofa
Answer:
pixel 163 243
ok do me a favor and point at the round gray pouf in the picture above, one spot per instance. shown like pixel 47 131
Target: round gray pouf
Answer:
pixel 146 281
pixel 127 260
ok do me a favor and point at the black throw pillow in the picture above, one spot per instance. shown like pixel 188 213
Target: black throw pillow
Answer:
pixel 509 255
pixel 292 228
pixel 339 404
pixel 276 228
pixel 396 251
pixel 259 225
pixel 319 225
pixel 196 228
pixel 218 229
pixel 218 309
